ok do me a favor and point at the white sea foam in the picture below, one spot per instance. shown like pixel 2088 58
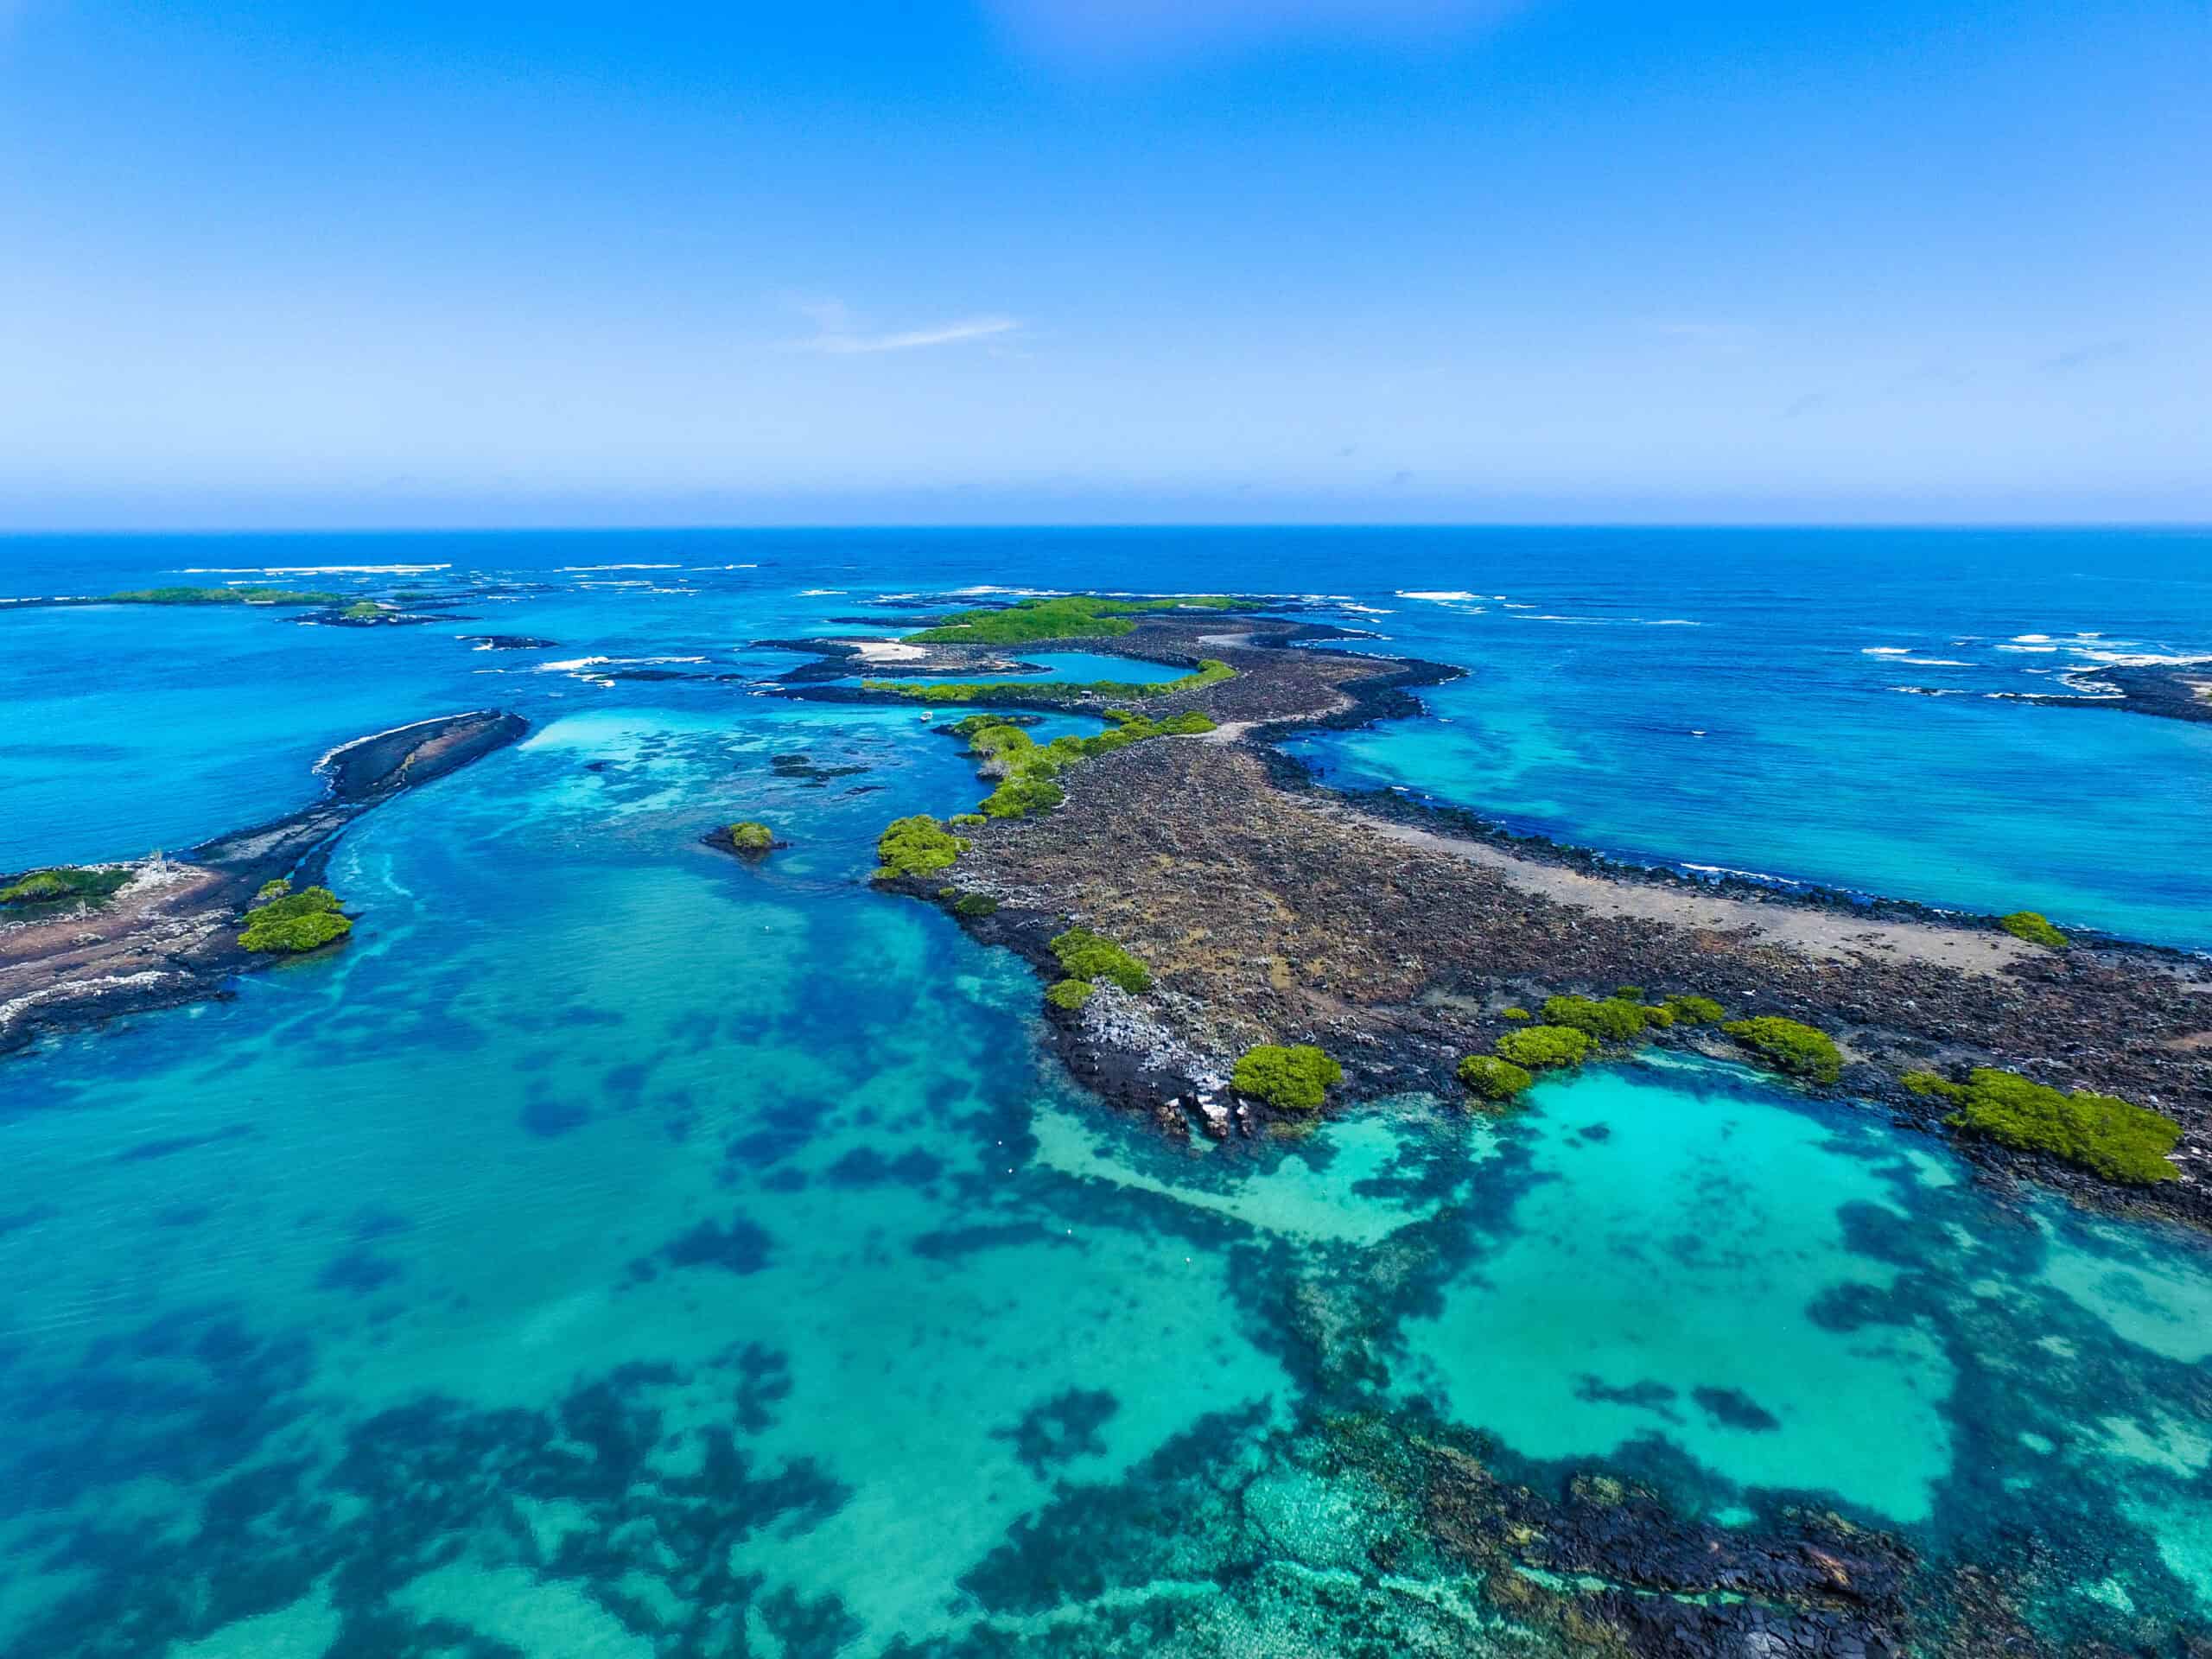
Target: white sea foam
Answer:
pixel 1934 691
pixel 2028 648
pixel 329 755
pixel 1749 876
pixel 1367 610
pixel 818 593
pixel 2032 639
pixel 621 567
pixel 1885 650
pixel 311 569
pixel 1439 596
pixel 577 665
pixel 2139 660
pixel 2082 681
pixel 1612 621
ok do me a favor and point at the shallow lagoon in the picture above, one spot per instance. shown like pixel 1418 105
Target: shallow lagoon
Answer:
pixel 623 1250
pixel 328 1290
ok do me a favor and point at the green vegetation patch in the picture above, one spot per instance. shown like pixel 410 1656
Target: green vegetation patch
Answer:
pixel 296 922
pixel 969 725
pixel 1017 797
pixel 1209 671
pixel 2102 1133
pixel 1069 993
pixel 2026 925
pixel 1085 955
pixel 1541 1047
pixel 1493 1079
pixel 1695 1010
pixel 1613 1019
pixel 916 846
pixel 1296 1078
pixel 1027 769
pixel 64 881
pixel 1789 1046
pixel 747 837
pixel 222 596
pixel 1070 616
pixel 1520 1016
pixel 975 904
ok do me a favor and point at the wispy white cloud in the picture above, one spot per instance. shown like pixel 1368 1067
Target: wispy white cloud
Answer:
pixel 836 335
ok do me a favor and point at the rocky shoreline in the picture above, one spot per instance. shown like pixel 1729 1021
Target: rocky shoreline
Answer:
pixel 169 935
pixel 2163 693
pixel 1396 933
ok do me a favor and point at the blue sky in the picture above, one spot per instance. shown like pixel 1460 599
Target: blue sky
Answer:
pixel 284 264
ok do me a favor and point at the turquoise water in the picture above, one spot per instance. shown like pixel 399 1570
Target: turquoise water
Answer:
pixel 1092 665
pixel 1087 666
pixel 619 1250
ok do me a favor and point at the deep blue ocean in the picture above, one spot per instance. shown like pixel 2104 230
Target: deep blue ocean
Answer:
pixel 619 1251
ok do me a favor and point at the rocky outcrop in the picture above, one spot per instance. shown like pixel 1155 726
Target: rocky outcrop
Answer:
pixel 169 936
pixel 1395 936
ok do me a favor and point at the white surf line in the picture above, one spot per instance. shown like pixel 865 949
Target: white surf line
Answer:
pixel 331 755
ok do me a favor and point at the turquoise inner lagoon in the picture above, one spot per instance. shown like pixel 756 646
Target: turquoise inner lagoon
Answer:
pixel 619 1251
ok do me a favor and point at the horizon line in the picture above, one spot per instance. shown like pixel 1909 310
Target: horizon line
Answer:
pixel 1960 527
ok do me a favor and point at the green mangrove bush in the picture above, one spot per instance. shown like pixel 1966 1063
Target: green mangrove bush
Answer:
pixel 296 922
pixel 1085 955
pixel 747 837
pixel 1789 1046
pixel 1613 1019
pixel 1539 1048
pixel 2102 1133
pixel 916 846
pixel 1296 1078
pixel 1695 1010
pixel 2036 929
pixel 63 882
pixel 1017 797
pixel 1493 1079
pixel 1069 993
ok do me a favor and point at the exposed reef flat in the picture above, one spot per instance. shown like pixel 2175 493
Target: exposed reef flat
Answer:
pixel 509 642
pixel 1395 936
pixel 2167 693
pixel 169 935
